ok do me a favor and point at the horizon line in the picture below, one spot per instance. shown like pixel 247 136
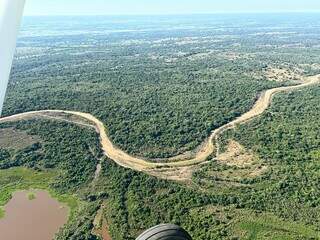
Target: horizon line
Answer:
pixel 172 14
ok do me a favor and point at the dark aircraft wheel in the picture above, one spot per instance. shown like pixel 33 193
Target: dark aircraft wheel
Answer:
pixel 165 232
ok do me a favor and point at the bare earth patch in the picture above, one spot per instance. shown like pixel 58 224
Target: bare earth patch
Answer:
pixel 68 118
pixel 174 173
pixel 258 171
pixel 231 56
pixel 101 228
pixel 282 74
pixel 236 155
pixel 247 163
pixel 16 139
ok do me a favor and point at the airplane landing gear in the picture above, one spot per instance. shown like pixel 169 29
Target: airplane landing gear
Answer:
pixel 165 232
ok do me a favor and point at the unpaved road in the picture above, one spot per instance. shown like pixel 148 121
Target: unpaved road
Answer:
pixel 128 161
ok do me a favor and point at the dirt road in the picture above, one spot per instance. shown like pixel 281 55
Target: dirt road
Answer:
pixel 128 161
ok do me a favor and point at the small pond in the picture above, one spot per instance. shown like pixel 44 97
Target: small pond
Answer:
pixel 32 215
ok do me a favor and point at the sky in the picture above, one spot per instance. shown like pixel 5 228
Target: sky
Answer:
pixel 151 7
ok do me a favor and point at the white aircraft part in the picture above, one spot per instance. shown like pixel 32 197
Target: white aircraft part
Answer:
pixel 10 17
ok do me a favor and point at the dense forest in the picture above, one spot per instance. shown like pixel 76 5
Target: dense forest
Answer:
pixel 286 138
pixel 160 91
pixel 278 203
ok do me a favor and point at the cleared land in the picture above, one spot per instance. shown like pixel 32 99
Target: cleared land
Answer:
pixel 14 139
pixel 236 155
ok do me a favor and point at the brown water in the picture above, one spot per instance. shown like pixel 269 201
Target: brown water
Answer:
pixel 37 219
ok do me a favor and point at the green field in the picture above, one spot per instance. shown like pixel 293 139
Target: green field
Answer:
pixel 266 226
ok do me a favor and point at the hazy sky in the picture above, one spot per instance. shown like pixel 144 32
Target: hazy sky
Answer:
pixel 108 7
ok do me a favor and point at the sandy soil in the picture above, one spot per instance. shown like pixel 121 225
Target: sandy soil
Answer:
pixel 208 148
pixel 236 155
pixel 282 74
pixel 100 226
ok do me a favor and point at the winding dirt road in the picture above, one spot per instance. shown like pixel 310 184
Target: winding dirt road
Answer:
pixel 210 147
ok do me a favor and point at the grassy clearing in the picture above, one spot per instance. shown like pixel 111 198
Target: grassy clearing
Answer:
pixel 71 201
pixel 15 179
pixel 253 226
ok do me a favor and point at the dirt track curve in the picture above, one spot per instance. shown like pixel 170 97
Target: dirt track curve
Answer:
pixel 208 148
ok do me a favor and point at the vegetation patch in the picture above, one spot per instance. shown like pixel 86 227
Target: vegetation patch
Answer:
pixel 254 226
pixel 31 196
pixel 2 212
